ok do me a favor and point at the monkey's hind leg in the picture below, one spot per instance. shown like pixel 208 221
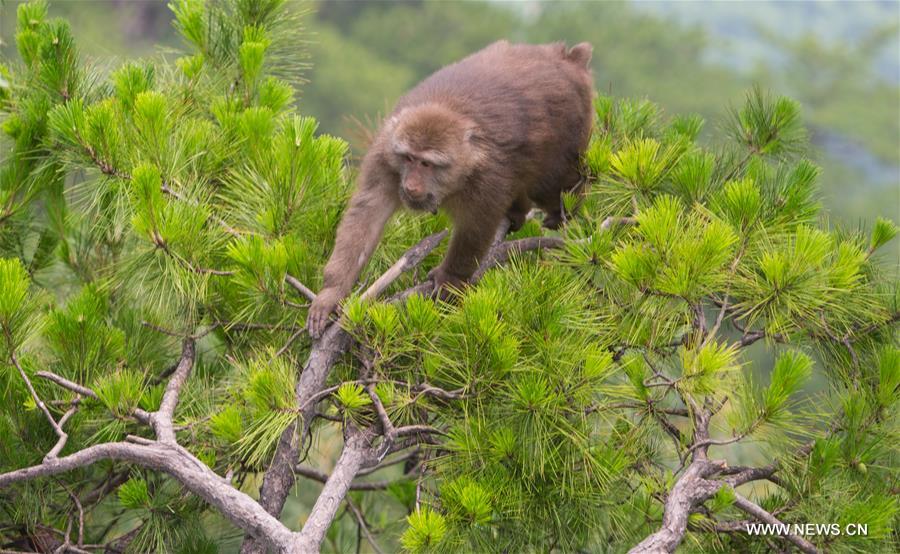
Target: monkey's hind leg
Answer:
pixel 518 213
pixel 551 204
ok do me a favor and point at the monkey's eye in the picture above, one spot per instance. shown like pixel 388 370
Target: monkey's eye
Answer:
pixel 424 163
pixel 409 158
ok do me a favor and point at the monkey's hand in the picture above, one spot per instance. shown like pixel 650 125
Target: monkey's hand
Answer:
pixel 445 282
pixel 320 311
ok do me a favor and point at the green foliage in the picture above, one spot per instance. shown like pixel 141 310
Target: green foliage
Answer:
pixel 352 397
pixel 185 198
pixel 120 391
pixel 426 531
pixel 134 494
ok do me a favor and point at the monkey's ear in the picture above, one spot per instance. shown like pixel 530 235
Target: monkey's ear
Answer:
pixel 391 123
pixel 580 54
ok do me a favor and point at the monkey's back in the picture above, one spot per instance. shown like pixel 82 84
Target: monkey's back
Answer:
pixel 532 104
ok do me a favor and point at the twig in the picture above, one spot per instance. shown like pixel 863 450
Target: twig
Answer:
pixel 162 330
pixel 610 221
pixel 322 477
pixel 78 505
pixel 40 403
pixel 138 413
pixel 362 525
pixel 290 341
pixel 299 287
pixel 387 428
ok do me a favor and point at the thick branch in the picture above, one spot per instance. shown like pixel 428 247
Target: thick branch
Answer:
pixel 689 491
pixel 357 453
pixel 180 464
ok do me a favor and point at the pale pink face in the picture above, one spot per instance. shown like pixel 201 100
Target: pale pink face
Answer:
pixel 422 178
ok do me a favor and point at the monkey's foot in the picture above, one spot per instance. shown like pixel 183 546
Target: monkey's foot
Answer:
pixel 553 220
pixel 516 220
pixel 445 283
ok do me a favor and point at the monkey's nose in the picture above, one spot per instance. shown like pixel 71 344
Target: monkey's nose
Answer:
pixel 415 194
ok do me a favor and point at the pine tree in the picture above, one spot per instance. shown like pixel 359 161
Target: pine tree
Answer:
pixel 694 353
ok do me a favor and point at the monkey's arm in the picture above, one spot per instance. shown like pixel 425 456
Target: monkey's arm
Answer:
pixel 357 236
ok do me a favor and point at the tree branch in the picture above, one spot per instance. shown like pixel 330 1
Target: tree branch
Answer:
pixel 357 453
pixel 754 510
pixel 279 478
pixel 322 477
pixel 162 418
pixel 174 460
pixel 361 521
pixel 40 403
pixel 299 287
pixel 691 489
pixel 138 413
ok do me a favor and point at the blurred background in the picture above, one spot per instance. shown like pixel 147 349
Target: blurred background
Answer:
pixel 841 60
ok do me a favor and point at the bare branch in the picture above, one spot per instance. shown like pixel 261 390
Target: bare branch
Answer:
pixel 61 443
pixel 290 341
pixel 717 442
pixel 162 330
pixel 387 428
pixel 37 399
pixel 322 477
pixel 361 521
pixel 80 509
pixel 66 384
pixel 138 413
pixel 174 460
pixel 410 259
pixel 356 454
pixel 162 419
pixel 299 287
pixel 689 491
pixel 417 429
pixel 610 221
pixel 750 508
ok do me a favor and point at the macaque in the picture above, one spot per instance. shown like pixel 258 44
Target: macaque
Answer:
pixel 482 139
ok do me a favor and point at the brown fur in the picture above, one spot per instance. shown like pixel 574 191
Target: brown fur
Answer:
pixel 482 139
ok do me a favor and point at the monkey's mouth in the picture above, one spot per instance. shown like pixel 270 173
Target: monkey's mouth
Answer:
pixel 426 204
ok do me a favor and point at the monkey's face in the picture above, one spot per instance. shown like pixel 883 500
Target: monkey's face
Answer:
pixel 432 151
pixel 422 180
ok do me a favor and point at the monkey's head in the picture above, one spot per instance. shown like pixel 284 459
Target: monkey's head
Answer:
pixel 433 150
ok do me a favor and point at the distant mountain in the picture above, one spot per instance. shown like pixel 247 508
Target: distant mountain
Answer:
pixel 735 27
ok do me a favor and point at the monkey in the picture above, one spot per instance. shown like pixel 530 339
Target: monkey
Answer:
pixel 481 139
